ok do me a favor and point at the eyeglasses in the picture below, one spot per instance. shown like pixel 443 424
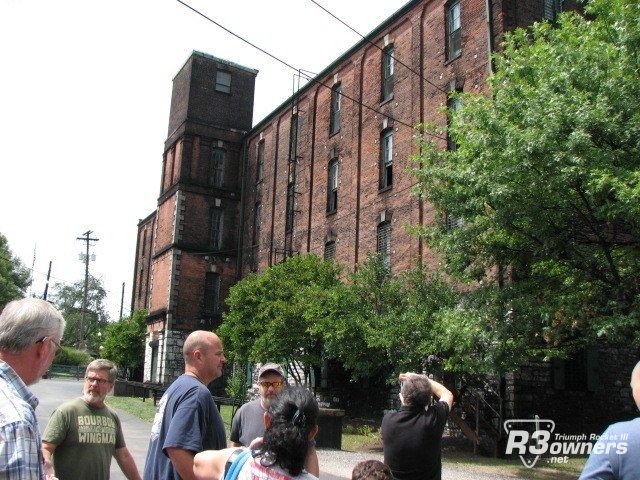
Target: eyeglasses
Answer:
pixel 100 381
pixel 57 345
pixel 270 384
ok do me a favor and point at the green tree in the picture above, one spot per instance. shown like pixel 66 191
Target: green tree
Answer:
pixel 14 277
pixel 546 177
pixel 378 324
pixel 68 299
pixel 353 318
pixel 268 317
pixel 123 342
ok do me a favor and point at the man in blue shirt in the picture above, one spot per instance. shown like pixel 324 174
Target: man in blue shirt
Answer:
pixel 616 455
pixel 30 334
pixel 188 421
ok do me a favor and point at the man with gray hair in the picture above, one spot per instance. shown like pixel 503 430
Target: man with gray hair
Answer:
pixel 412 437
pixel 84 434
pixel 30 334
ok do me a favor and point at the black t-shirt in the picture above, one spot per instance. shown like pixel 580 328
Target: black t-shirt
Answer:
pixel 412 441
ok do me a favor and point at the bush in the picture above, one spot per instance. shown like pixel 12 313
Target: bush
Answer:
pixel 72 356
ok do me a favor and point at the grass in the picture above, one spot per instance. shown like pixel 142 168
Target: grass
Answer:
pixel 365 438
pixel 359 438
pixel 134 406
pixel 146 410
pixel 543 470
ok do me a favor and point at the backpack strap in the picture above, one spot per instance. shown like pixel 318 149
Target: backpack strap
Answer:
pixel 236 461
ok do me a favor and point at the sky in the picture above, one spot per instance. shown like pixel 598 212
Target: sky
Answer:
pixel 85 90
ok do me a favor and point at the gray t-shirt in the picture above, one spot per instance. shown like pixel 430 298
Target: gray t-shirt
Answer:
pixel 248 423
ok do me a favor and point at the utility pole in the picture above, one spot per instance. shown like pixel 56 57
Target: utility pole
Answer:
pixel 33 266
pixel 46 287
pixel 86 237
pixel 122 301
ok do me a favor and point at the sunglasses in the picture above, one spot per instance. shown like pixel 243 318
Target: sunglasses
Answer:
pixel 270 384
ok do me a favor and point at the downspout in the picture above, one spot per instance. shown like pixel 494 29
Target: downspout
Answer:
pixel 421 117
pixel 273 201
pixel 490 43
pixel 311 166
pixel 152 242
pixel 359 165
pixel 243 180
pixel 135 271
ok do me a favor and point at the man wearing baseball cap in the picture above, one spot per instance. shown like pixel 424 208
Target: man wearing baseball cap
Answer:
pixel 248 422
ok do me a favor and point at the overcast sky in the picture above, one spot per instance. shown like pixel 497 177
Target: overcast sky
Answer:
pixel 85 89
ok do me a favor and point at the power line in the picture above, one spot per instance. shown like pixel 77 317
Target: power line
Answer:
pixel 420 75
pixel 299 71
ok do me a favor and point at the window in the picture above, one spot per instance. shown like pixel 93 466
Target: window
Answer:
pixel 386 159
pixel 330 250
pixel 453 104
pixel 454 31
pixel 260 167
pixel 216 168
pixel 387 73
pixel 332 187
pixel 211 303
pixel 215 229
pixel 336 105
pixel 293 137
pixel 384 243
pixel 223 81
pixel 551 9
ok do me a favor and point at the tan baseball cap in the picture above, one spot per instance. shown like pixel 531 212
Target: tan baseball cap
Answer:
pixel 270 367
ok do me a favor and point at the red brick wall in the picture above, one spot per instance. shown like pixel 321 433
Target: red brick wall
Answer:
pixel 161 279
pixel 142 274
pixel 357 144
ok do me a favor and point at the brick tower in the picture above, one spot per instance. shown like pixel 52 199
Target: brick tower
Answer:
pixel 187 250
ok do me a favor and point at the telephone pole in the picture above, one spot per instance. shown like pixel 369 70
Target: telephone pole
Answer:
pixel 122 301
pixel 46 287
pixel 86 237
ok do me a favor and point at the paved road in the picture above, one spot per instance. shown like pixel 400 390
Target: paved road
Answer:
pixel 334 465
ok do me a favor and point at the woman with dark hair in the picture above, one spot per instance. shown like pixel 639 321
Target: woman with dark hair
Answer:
pixel 291 424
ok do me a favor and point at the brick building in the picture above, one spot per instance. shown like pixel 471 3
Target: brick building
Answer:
pixel 324 173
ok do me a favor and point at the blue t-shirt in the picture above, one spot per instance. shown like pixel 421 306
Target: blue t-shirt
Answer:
pixel 616 455
pixel 187 418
